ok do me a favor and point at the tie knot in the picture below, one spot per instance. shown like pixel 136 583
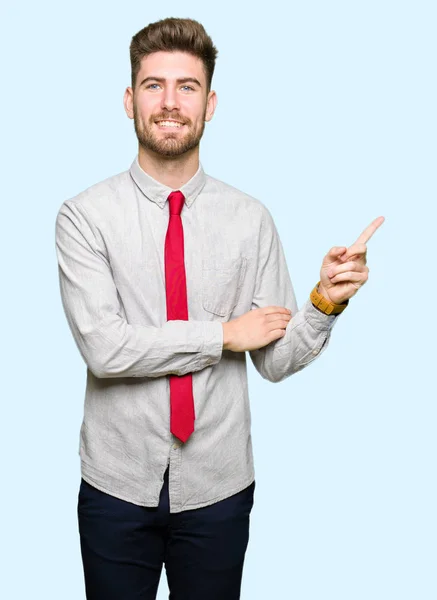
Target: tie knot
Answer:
pixel 176 202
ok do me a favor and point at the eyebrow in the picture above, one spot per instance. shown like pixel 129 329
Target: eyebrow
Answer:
pixel 180 80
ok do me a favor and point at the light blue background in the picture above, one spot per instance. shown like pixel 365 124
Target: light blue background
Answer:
pixel 326 113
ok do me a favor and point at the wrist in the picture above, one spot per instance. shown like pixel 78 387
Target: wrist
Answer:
pixel 226 336
pixel 321 300
pixel 321 290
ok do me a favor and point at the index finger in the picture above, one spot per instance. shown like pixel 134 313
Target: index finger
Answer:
pixel 276 309
pixel 370 230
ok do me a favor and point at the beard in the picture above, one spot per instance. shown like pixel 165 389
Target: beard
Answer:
pixel 167 143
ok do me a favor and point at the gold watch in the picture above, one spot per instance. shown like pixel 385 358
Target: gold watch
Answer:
pixel 324 305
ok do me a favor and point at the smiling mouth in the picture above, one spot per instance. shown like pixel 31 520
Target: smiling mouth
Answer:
pixel 169 125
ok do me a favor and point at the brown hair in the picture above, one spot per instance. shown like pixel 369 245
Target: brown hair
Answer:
pixel 171 35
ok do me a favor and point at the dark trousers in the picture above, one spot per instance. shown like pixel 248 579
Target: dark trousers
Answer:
pixel 124 546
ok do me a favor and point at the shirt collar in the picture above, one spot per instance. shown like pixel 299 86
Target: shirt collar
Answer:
pixel 158 192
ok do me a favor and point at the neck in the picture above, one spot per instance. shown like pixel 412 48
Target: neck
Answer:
pixel 172 171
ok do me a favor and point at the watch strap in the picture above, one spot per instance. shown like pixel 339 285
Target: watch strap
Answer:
pixel 324 305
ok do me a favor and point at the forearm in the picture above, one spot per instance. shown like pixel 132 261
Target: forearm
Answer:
pixel 306 337
pixel 108 343
pixel 118 349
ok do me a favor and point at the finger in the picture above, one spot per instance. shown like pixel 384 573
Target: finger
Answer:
pixel 352 276
pixel 347 266
pixel 370 230
pixel 336 251
pixel 278 317
pixel 276 309
pixel 334 254
pixel 355 250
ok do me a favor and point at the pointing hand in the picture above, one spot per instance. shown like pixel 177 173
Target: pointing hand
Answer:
pixel 344 270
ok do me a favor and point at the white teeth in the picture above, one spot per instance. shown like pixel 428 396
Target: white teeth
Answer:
pixel 169 124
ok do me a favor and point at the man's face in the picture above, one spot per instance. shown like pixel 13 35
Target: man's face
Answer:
pixel 159 96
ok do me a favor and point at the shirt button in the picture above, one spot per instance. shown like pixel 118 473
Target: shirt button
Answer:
pixel 176 445
pixel 315 352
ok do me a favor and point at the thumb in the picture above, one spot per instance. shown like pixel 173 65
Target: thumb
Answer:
pixel 334 254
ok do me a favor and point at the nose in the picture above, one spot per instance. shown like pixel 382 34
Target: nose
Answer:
pixel 169 99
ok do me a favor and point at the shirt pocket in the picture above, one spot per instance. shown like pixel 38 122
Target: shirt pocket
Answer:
pixel 222 280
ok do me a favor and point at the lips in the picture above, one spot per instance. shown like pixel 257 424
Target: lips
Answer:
pixel 169 128
pixel 169 120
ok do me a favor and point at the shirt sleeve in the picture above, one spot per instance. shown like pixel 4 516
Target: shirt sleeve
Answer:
pixel 308 331
pixel 109 345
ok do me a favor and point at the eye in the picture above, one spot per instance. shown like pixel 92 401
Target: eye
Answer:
pixel 185 86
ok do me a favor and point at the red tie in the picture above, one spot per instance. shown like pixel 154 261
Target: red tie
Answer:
pixel 181 386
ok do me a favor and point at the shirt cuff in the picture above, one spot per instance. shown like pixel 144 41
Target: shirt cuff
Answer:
pixel 318 320
pixel 213 343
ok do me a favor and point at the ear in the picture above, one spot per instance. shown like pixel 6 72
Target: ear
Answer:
pixel 128 101
pixel 211 104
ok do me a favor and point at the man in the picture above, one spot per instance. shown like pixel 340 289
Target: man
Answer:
pixel 168 276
